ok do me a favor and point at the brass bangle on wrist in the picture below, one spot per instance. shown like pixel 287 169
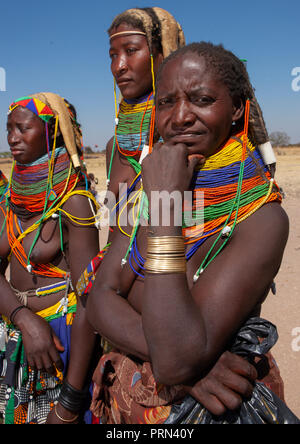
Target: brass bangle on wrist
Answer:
pixel 165 254
pixel 63 419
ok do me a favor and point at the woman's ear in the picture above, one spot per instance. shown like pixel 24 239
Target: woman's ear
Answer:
pixel 238 110
pixel 158 58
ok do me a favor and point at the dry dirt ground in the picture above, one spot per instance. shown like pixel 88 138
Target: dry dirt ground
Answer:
pixel 283 309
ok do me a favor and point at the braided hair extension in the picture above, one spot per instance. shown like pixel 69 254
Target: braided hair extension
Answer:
pixel 156 29
pixel 76 127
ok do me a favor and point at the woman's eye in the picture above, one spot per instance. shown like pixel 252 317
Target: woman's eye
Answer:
pixel 23 128
pixel 131 50
pixel 163 102
pixel 203 100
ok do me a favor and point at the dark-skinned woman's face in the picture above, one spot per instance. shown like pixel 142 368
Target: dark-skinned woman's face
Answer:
pixel 131 62
pixel 193 106
pixel 26 135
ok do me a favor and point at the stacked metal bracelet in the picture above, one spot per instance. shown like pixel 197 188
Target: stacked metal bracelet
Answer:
pixel 71 398
pixel 165 254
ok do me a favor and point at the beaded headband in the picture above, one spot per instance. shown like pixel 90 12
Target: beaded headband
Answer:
pixel 127 32
pixel 35 105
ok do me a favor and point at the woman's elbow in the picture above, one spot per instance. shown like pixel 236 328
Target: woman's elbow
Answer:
pixel 172 374
pixel 91 310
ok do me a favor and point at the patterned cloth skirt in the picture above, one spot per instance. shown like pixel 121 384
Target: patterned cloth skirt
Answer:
pixel 28 395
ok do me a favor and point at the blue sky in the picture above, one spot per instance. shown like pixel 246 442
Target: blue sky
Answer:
pixel 62 46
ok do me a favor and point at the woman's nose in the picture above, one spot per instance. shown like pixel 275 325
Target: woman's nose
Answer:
pixel 182 115
pixel 120 66
pixel 12 137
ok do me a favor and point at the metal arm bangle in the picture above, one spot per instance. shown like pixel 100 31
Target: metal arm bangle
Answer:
pixel 63 419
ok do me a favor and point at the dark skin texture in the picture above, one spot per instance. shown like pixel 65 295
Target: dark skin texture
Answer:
pixel 27 139
pixel 194 116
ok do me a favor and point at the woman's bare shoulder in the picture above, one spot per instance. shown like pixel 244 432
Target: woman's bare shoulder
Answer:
pixel 271 218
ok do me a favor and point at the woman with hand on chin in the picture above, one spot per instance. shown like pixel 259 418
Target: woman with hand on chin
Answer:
pixel 179 295
pixel 140 39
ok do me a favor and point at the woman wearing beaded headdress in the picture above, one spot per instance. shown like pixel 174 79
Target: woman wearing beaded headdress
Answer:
pixel 183 288
pixel 49 236
pixel 140 39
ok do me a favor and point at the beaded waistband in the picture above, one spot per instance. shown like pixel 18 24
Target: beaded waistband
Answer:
pixel 42 291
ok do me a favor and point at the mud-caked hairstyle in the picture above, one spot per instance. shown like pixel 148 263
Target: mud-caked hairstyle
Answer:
pixel 162 31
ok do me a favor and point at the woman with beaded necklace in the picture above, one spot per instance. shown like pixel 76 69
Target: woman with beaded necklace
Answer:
pixel 181 294
pixel 49 235
pixel 139 41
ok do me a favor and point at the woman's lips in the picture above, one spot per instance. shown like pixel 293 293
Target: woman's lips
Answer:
pixel 186 138
pixel 124 82
pixel 16 151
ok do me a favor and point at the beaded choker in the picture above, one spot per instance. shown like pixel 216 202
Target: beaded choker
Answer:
pixel 42 187
pixel 134 127
pixel 32 189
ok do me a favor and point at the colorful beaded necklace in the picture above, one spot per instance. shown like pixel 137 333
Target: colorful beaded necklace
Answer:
pixel 29 189
pixel 30 185
pixel 134 126
pixel 42 187
pixel 234 182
